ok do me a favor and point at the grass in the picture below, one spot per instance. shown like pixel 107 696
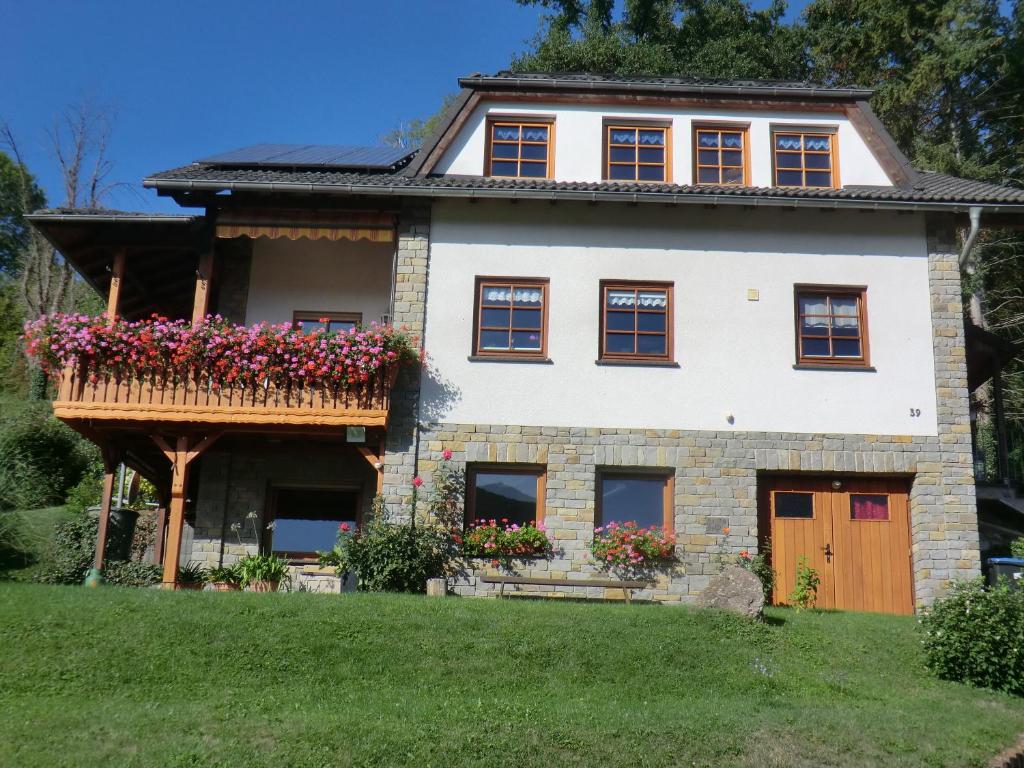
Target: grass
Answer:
pixel 29 533
pixel 149 678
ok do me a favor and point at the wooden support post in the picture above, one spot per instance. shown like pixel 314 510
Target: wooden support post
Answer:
pixel 116 278
pixel 105 501
pixel 204 274
pixel 184 452
pixel 161 533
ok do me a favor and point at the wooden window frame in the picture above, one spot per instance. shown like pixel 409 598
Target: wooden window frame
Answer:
pixel 721 127
pixel 270 515
pixel 637 285
pixel 665 474
pixel 512 282
pixel 831 131
pixel 304 315
pixel 861 294
pixel 609 124
pixel 540 471
pixel 528 121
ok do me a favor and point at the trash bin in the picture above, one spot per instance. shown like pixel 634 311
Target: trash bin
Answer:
pixel 120 530
pixel 1010 568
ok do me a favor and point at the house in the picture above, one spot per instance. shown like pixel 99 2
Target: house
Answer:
pixel 732 309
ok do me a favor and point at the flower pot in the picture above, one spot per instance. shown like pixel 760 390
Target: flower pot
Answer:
pixel 263 586
pixel 224 586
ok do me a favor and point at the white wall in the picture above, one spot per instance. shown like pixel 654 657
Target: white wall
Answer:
pixel 579 136
pixel 318 276
pixel 735 356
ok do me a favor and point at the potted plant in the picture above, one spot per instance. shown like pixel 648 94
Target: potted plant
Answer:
pixel 224 579
pixel 262 573
pixel 191 576
pixel 626 548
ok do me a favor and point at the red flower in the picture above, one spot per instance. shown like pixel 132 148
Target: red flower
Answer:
pixel 345 527
pixel 417 482
pixel 446 454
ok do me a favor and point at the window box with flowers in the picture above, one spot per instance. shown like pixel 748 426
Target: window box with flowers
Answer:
pixel 501 541
pixel 627 549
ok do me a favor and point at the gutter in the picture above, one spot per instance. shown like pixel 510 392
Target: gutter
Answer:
pixel 165 186
pixel 111 218
pixel 975 214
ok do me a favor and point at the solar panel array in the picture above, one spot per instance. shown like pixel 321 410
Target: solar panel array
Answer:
pixel 313 156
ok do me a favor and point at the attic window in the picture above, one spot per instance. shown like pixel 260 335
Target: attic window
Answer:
pixel 721 155
pixel 519 148
pixel 804 157
pixel 636 152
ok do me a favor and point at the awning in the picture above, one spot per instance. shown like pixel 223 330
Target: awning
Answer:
pixel 374 226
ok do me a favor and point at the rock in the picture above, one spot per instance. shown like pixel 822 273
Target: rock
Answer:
pixel 735 589
pixel 437 587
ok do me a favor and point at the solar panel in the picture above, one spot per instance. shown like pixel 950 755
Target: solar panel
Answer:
pixel 312 155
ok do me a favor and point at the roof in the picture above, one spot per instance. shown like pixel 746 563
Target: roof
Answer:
pixel 930 189
pixel 588 81
pixel 314 156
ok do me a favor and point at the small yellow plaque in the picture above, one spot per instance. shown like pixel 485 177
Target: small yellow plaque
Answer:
pixel 753 294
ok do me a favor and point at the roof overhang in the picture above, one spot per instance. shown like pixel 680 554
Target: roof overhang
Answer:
pixel 161 253
pixel 986 354
pixel 180 188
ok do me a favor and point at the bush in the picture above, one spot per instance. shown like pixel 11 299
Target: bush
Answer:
pixel 392 557
pixel 761 566
pixel 40 458
pixel 1017 547
pixel 976 635
pixel 71 554
pixel 88 491
pixel 127 573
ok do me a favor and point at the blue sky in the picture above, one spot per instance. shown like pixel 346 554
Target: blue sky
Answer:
pixel 187 79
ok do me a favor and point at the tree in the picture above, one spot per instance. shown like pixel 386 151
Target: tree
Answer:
pixel 413 133
pixel 14 230
pixel 707 38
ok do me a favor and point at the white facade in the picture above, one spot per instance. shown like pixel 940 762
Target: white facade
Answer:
pixel 319 276
pixel 578 138
pixel 735 356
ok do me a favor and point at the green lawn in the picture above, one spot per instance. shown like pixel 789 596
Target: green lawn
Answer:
pixel 31 534
pixel 120 677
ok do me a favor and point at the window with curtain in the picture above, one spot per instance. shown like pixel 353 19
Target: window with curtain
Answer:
pixel 519 149
pixel 310 322
pixel 636 321
pixel 869 506
pixel 804 159
pixel 720 155
pixel 511 317
pixel 831 327
pixel 636 153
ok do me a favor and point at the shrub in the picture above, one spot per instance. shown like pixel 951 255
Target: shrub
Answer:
pixel 41 459
pixel 805 590
pixel 761 566
pixel 489 538
pixel 88 491
pixel 128 573
pixel 391 557
pixel 976 635
pixel 192 573
pixel 226 574
pixel 71 553
pixel 1017 547
pixel 628 547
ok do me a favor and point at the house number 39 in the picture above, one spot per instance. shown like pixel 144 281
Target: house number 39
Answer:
pixel 915 412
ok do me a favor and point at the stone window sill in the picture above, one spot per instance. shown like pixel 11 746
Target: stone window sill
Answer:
pixel 640 363
pixel 509 359
pixel 812 367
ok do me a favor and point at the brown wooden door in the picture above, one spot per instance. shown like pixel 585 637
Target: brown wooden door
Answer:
pixel 857 537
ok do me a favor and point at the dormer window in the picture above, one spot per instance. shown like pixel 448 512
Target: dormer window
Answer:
pixel 637 151
pixel 519 147
pixel 804 157
pixel 721 155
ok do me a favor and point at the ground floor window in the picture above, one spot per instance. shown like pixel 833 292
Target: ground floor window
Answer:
pixel 305 521
pixel 641 497
pixel 509 494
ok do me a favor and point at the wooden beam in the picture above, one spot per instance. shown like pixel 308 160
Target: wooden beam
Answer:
pixel 204 273
pixel 161 533
pixel 105 501
pixel 116 278
pixel 376 460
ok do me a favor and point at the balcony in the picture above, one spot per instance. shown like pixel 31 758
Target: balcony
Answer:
pixel 98 397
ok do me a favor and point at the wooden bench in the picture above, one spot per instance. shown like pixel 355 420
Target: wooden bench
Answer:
pixel 627 587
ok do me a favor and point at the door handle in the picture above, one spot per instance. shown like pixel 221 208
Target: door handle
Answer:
pixel 828 553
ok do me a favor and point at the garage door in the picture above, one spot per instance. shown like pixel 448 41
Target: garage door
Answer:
pixel 854 531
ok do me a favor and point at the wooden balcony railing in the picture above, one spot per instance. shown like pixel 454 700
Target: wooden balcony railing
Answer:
pixel 195 400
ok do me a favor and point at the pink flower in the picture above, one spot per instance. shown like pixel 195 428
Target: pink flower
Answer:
pixel 345 527
pixel 446 454
pixel 417 482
